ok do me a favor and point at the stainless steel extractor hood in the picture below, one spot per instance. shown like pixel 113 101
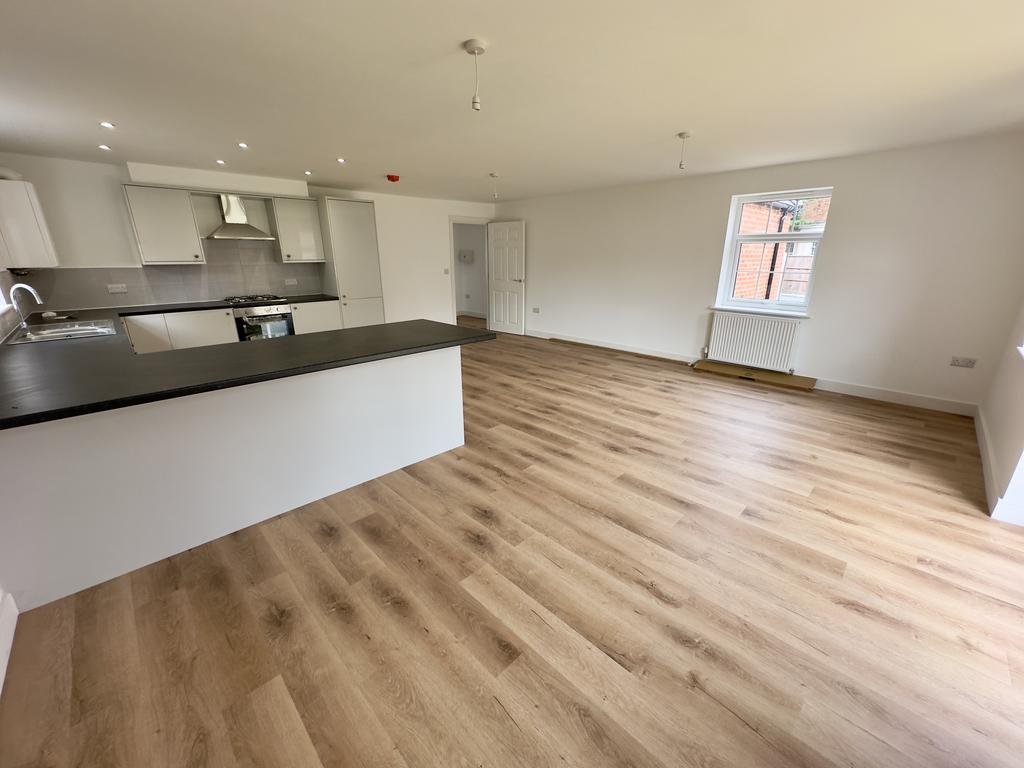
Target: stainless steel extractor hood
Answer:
pixel 236 226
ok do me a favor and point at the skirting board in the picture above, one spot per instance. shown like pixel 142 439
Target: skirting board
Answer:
pixel 8 618
pixel 841 387
pixel 618 347
pixel 901 398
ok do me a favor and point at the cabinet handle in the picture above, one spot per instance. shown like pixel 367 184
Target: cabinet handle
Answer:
pixel 344 303
pixel 288 256
pixel 344 295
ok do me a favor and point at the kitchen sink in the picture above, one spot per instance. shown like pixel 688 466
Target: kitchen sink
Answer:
pixel 57 331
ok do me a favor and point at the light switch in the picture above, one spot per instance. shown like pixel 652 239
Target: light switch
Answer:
pixel 446 270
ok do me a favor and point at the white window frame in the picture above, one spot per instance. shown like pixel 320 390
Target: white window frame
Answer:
pixel 733 241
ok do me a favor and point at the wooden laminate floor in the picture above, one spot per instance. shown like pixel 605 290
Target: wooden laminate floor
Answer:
pixel 628 564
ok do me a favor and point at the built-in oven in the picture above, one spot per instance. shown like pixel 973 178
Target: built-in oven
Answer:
pixel 267 322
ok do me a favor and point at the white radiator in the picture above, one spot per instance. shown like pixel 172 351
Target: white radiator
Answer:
pixel 759 341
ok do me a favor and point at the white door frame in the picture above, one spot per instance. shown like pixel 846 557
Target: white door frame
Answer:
pixel 452 256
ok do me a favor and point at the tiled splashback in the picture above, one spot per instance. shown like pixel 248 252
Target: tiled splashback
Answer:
pixel 233 267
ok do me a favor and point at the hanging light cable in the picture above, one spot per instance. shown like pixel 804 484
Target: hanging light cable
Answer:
pixel 475 48
pixel 494 182
pixel 683 136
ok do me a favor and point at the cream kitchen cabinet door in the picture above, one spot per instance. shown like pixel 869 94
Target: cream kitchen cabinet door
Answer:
pixel 359 312
pixel 315 316
pixel 148 333
pixel 24 237
pixel 298 230
pixel 165 225
pixel 201 328
pixel 354 261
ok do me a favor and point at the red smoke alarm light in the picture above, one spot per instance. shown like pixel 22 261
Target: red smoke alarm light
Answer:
pixel 392 177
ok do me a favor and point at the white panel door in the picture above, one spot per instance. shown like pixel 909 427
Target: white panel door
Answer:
pixel 201 328
pixel 506 257
pixel 316 316
pixel 165 225
pixel 359 312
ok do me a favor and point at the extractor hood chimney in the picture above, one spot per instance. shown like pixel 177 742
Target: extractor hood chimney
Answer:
pixel 236 226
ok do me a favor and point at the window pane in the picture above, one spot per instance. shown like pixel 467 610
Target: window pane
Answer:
pixel 796 272
pixel 797 215
pixel 774 271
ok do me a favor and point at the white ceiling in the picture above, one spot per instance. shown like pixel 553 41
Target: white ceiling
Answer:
pixel 576 93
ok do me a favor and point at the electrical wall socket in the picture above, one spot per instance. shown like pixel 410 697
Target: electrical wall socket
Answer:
pixel 117 288
pixel 963 362
pixel 467 296
pixel 536 310
pixel 290 281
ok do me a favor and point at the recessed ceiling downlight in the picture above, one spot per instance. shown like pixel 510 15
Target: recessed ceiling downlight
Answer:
pixel 108 125
pixel 242 145
pixel 220 162
pixel 105 148
pixel 341 160
pixel 308 173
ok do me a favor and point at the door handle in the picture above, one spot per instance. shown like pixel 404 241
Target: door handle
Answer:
pixel 520 281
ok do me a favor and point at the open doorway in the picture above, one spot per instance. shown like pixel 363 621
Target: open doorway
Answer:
pixel 488 273
pixel 469 246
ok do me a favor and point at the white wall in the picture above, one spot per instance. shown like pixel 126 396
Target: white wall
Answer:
pixel 84 208
pixel 415 251
pixel 921 261
pixel 1001 430
pixel 471 278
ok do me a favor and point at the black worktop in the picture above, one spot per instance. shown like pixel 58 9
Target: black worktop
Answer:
pixel 48 380
pixel 189 306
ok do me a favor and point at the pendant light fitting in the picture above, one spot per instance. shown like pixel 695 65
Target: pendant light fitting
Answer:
pixel 682 136
pixel 475 48
pixel 494 181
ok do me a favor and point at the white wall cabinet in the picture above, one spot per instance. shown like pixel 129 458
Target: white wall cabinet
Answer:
pixel 24 237
pixel 297 225
pixel 201 328
pixel 316 316
pixel 165 225
pixel 351 244
pixel 148 333
pixel 359 312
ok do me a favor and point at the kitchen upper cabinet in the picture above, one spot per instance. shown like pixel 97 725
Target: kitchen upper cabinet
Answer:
pixel 315 316
pixel 148 333
pixel 359 312
pixel 351 243
pixel 165 225
pixel 297 224
pixel 24 237
pixel 201 328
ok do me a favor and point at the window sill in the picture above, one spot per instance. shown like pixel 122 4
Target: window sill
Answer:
pixel 756 311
